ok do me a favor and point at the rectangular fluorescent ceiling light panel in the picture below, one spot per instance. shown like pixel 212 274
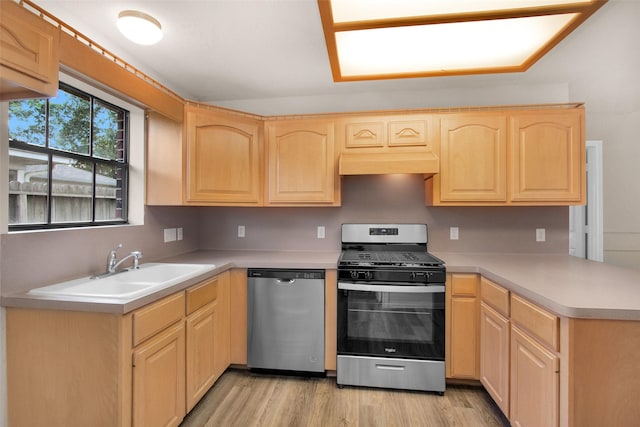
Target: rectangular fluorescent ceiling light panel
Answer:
pixel 383 39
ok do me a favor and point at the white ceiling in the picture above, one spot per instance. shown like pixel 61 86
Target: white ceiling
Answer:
pixel 221 50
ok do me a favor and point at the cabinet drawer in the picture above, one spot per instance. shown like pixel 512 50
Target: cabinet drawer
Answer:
pixel 495 296
pixel 537 321
pixel 464 285
pixel 407 133
pixel 153 318
pixel 202 294
pixel 369 134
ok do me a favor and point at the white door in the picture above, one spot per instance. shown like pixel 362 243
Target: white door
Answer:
pixel 585 222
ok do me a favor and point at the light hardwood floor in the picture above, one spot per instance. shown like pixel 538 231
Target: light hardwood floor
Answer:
pixel 240 398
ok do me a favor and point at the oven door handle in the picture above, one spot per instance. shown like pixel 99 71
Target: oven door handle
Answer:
pixel 404 289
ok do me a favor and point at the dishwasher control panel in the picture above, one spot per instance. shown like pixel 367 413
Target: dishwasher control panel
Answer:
pixel 273 273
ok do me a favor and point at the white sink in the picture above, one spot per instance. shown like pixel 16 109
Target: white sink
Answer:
pixel 150 277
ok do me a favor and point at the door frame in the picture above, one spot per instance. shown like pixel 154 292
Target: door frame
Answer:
pixel 586 222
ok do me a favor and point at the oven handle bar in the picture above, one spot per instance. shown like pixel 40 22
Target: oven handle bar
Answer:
pixel 405 289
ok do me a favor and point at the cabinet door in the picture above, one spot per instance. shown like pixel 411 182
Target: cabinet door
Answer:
pixel 164 160
pixel 494 356
pixel 548 157
pixel 28 54
pixel 473 158
pixel 158 379
pixel 534 382
pixel 222 358
pixel 302 164
pixel 238 316
pixel 223 159
pixel 201 347
pixel 462 338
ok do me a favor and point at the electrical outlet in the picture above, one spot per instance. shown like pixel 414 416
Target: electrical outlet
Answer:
pixel 321 232
pixel 241 231
pixel 541 235
pixel 169 235
pixel 180 233
pixel 453 233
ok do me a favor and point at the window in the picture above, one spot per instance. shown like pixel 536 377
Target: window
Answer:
pixel 68 161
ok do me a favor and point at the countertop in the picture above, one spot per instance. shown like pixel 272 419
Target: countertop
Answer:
pixel 223 260
pixel 565 285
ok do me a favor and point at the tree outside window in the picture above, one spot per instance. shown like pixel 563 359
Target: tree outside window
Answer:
pixel 67 161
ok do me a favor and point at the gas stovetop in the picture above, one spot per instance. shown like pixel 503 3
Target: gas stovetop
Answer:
pixel 386 258
pixel 388 253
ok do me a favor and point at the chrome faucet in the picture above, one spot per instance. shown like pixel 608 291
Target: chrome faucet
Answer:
pixel 112 259
pixel 136 255
pixel 113 263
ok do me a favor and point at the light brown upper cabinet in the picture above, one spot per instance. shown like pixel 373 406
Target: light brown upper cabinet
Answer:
pixel 547 156
pixel 28 54
pixel 301 163
pixel 386 133
pixel 525 157
pixel 164 160
pixel 473 158
pixel 224 158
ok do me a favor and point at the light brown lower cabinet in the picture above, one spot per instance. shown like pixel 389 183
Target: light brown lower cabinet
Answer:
pixel 520 357
pixel 494 355
pixel 462 318
pixel 201 331
pixel 145 368
pixel 159 380
pixel 208 338
pixel 534 382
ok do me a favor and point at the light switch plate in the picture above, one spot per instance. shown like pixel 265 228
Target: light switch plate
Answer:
pixel 321 232
pixel 453 233
pixel 180 233
pixel 169 235
pixel 241 231
pixel 541 235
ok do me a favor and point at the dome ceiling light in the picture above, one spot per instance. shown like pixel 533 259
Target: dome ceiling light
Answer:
pixel 139 27
pixel 389 39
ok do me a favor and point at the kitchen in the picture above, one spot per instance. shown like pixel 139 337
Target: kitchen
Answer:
pixel 611 96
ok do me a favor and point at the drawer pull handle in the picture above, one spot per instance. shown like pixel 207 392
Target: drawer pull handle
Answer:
pixel 390 367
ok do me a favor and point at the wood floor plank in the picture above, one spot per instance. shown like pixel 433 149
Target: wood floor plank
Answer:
pixel 244 399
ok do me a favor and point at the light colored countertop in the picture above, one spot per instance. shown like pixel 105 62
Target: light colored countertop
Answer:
pixel 565 285
pixel 223 260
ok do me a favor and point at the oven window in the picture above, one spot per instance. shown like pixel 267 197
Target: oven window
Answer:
pixel 391 324
pixel 389 316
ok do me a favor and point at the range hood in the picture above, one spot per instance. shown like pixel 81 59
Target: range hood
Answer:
pixel 388 163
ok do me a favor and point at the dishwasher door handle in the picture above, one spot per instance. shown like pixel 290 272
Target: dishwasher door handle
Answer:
pixel 285 281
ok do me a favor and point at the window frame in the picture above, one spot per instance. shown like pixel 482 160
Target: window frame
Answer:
pixel 90 158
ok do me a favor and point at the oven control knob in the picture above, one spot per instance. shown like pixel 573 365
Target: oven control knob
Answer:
pixel 412 275
pixel 353 274
pixel 367 275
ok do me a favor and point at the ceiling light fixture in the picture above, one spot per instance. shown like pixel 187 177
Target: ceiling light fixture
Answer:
pixel 139 27
pixel 387 39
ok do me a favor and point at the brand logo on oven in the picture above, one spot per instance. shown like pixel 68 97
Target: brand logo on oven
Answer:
pixel 390 350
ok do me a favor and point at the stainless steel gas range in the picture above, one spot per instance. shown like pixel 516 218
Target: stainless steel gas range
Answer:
pixel 391 309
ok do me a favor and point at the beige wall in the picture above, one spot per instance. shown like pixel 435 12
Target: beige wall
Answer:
pixel 620 132
pixel 387 198
pixel 33 259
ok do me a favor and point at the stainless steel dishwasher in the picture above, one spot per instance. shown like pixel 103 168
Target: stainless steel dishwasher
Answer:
pixel 285 320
